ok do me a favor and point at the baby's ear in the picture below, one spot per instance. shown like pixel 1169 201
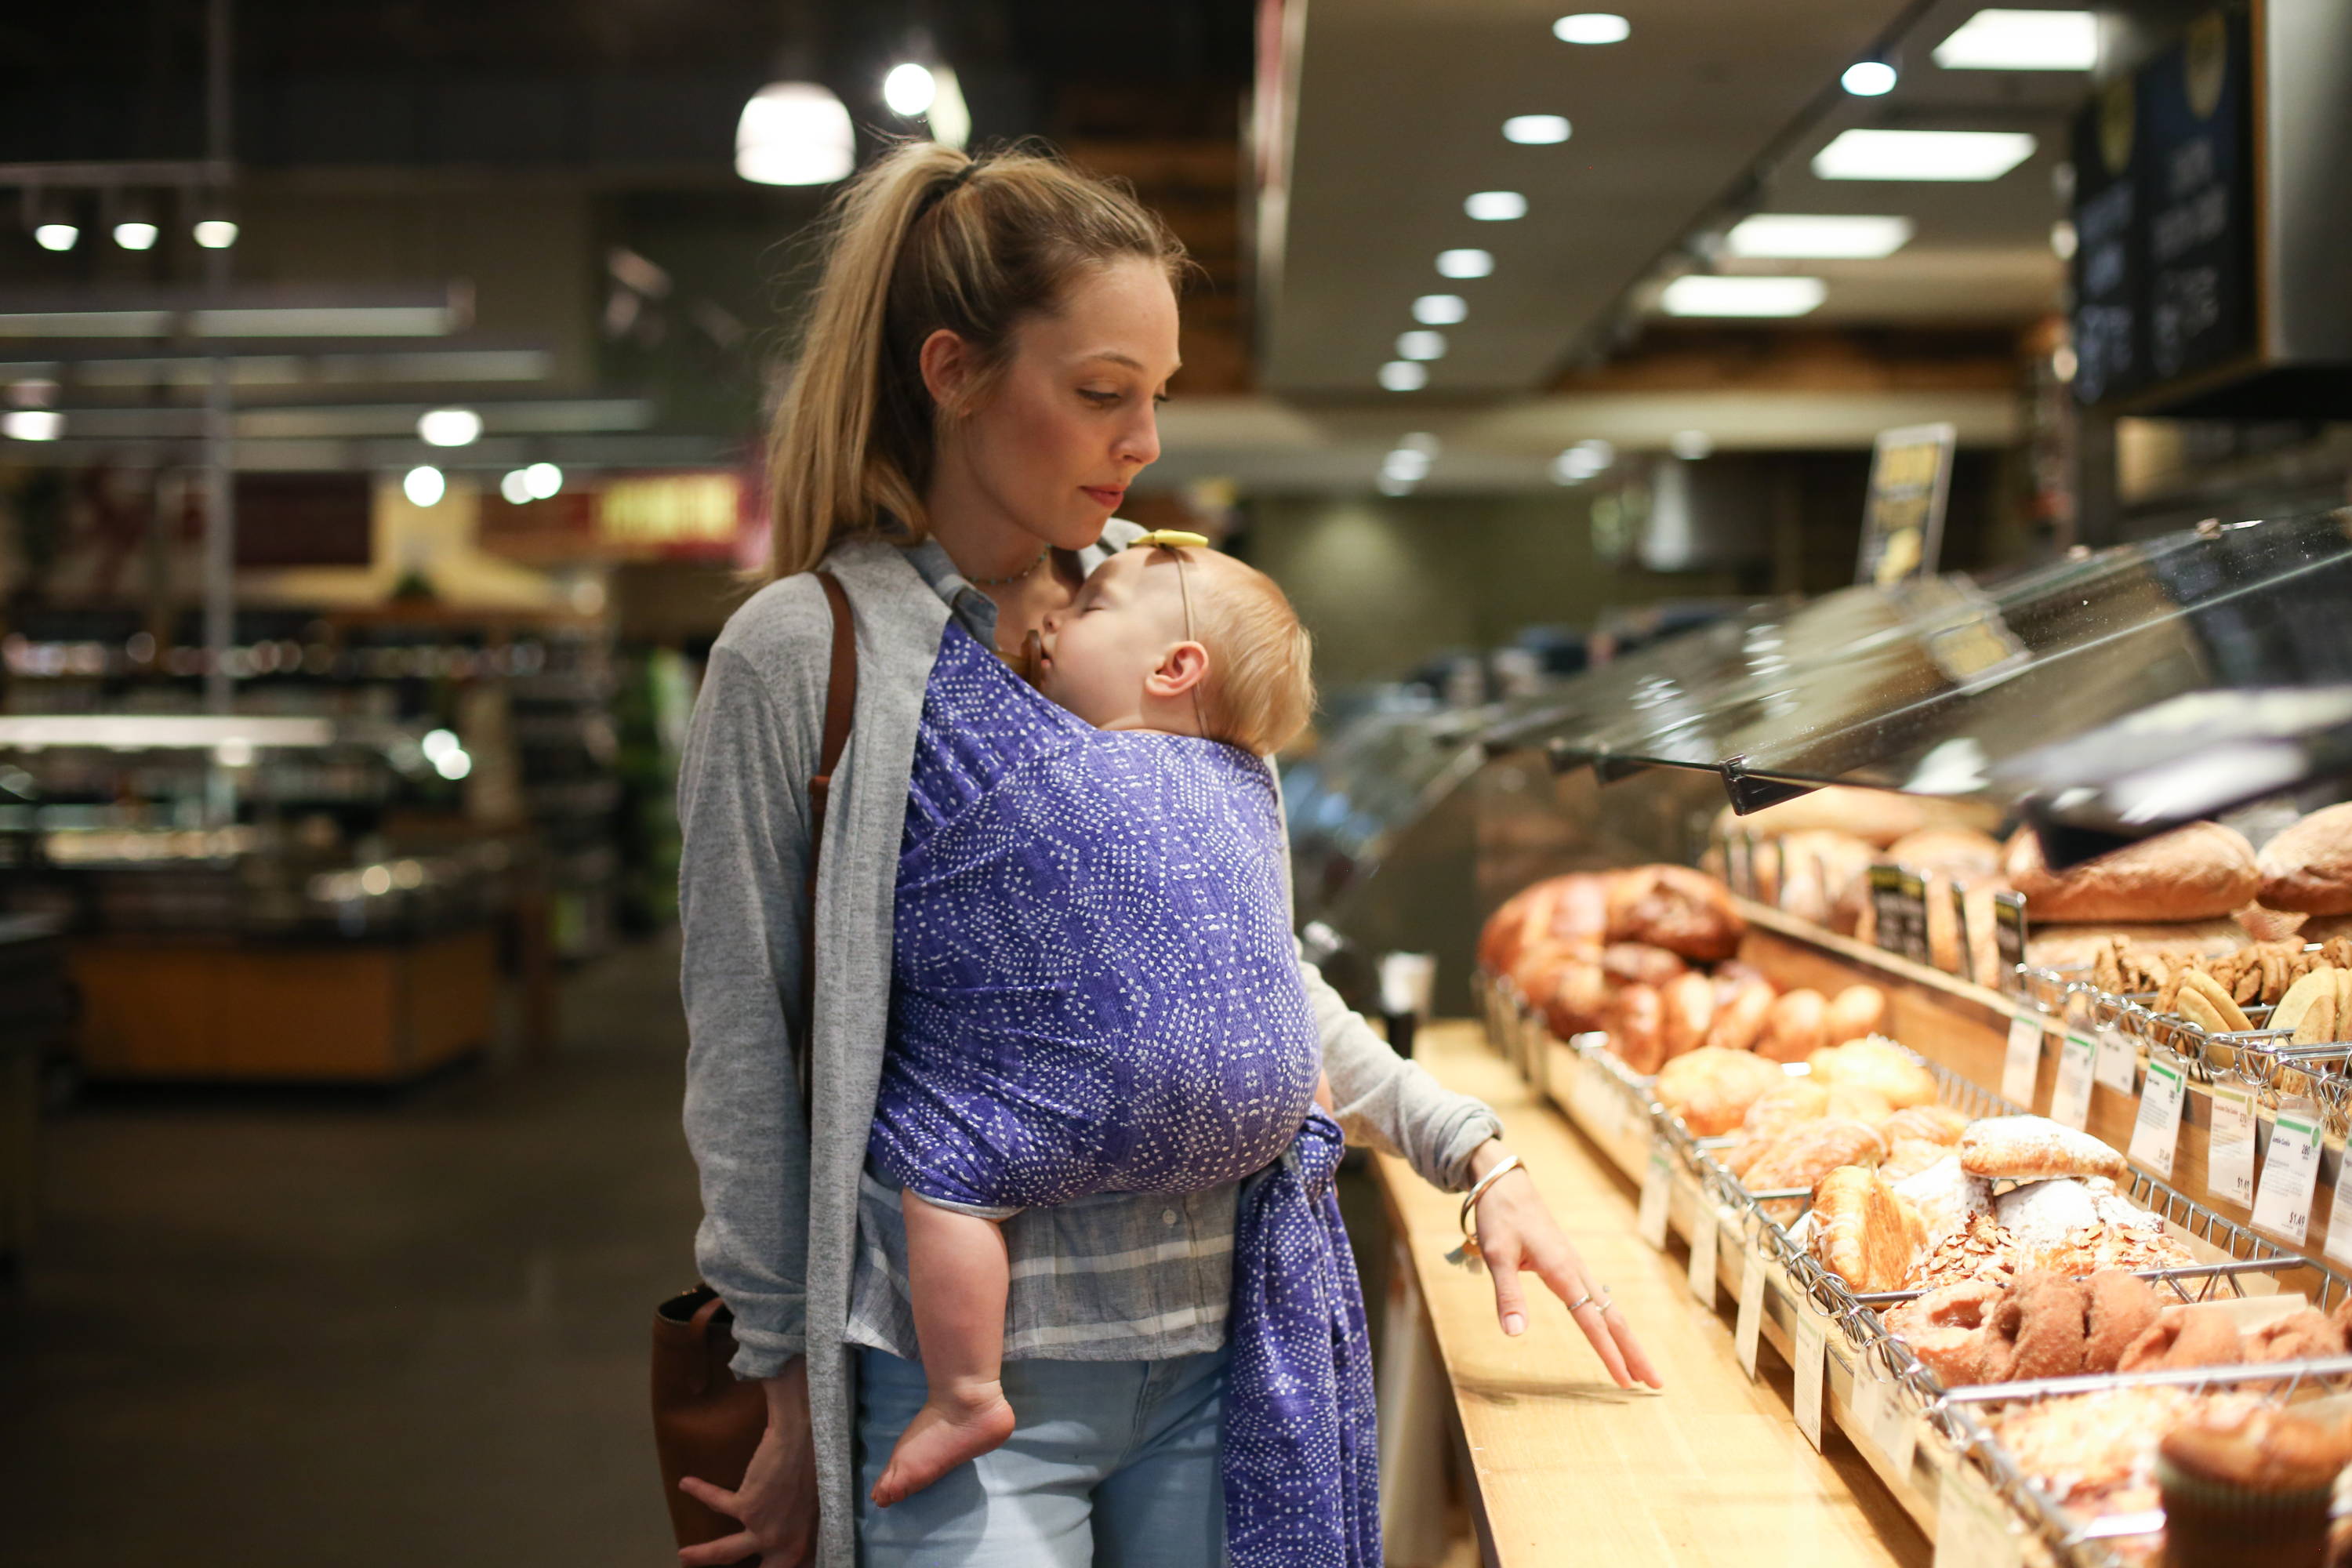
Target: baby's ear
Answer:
pixel 1181 669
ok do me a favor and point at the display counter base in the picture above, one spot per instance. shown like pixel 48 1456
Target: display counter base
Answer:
pixel 356 1012
pixel 1566 1466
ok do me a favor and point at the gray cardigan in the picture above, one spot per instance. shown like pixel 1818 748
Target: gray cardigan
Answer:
pixel 780 1183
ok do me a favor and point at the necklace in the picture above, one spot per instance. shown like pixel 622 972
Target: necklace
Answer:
pixel 1012 577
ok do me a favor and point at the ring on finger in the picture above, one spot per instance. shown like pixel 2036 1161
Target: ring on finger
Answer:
pixel 1581 1304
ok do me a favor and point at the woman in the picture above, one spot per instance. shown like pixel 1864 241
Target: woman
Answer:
pixel 976 389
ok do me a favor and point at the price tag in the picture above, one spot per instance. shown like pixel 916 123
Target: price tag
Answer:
pixel 2339 1216
pixel 1967 970
pixel 2023 1063
pixel 1813 1366
pixel 2156 1133
pixel 1748 1328
pixel 2291 1174
pixel 1740 862
pixel 2230 1159
pixel 1898 1434
pixel 1870 1397
pixel 2070 1101
pixel 1704 1238
pixel 2008 937
pixel 1972 1528
pixel 2118 1060
pixel 1657 1188
pixel 1898 898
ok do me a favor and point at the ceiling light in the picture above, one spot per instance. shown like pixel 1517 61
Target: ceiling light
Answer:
pixel 2022 41
pixel 55 235
pixel 1465 263
pixel 1403 464
pixel 1535 130
pixel 1592 28
pixel 215 233
pixel 2062 240
pixel 909 90
pixel 1420 441
pixel 1496 207
pixel 1421 346
pixel 1922 154
pixel 439 743
pixel 1691 445
pixel 1601 452
pixel 1575 466
pixel 515 487
pixel 1703 294
pixel 1440 310
pixel 1809 235
pixel 1389 485
pixel 545 480
pixel 794 133
pixel 949 117
pixel 32 423
pixel 1868 78
pixel 424 485
pixel 450 428
pixel 135 235
pixel 1404 375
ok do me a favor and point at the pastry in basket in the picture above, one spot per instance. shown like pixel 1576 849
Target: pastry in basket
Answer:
pixel 2201 871
pixel 1740 1011
pixel 1580 999
pixel 2308 867
pixel 1799 1157
pixel 1677 908
pixel 1946 1197
pixel 2206 1003
pixel 1639 963
pixel 1687 1003
pixel 1936 1123
pixel 2039 1329
pixel 1878 1065
pixel 1712 1089
pixel 2080 1449
pixel 2034 1146
pixel 2307 1335
pixel 1945 1328
pixel 1777 1110
pixel 1863 1104
pixel 1792 1029
pixel 1863 1231
pixel 2121 1308
pixel 1856 1011
pixel 1635 1019
pixel 1978 1250
pixel 1909 1156
pixel 2200 1335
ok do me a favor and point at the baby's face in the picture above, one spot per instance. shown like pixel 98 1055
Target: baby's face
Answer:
pixel 1127 616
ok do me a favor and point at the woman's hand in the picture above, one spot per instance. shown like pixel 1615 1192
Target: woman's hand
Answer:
pixel 1517 1234
pixel 776 1504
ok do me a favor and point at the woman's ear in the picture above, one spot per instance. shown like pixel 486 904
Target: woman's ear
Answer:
pixel 946 363
pixel 1181 669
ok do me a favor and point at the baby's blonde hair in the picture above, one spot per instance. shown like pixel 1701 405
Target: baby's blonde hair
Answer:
pixel 1260 690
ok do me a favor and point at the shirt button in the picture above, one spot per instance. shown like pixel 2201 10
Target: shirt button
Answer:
pixel 1167 1216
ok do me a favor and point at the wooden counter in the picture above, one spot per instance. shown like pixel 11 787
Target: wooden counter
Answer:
pixel 1568 1468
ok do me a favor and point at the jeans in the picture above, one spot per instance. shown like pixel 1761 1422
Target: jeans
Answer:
pixel 1113 1463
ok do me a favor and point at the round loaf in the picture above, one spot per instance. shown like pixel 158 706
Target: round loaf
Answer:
pixel 2307 869
pixel 1635 1023
pixel 1688 1002
pixel 1792 1029
pixel 1856 1011
pixel 1711 1088
pixel 2202 871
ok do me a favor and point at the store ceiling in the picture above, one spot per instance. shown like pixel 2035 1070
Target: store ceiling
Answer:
pixel 1400 104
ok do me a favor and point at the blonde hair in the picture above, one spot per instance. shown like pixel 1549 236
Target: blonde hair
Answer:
pixel 925 238
pixel 1260 690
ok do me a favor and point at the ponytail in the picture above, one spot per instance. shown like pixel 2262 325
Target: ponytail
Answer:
pixel 925 238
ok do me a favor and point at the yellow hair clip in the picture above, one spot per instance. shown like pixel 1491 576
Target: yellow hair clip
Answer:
pixel 1170 538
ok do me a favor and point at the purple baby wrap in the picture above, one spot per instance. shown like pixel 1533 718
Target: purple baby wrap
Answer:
pixel 1094 988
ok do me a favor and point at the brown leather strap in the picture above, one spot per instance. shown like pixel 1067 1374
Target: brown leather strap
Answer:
pixel 840 709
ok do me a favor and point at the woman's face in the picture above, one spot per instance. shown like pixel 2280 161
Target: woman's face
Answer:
pixel 1054 443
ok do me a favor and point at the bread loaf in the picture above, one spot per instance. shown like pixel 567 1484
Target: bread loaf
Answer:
pixel 1677 909
pixel 1636 1021
pixel 1711 1088
pixel 1863 1231
pixel 1688 1005
pixel 2201 871
pixel 1792 1029
pixel 2309 869
pixel 1739 1017
pixel 2034 1148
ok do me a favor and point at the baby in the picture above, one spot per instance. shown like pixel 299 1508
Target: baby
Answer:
pixel 1137 1022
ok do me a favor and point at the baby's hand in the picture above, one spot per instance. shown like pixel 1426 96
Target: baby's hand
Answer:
pixel 1323 1093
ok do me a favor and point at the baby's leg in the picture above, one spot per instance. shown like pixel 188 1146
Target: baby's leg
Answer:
pixel 959 1277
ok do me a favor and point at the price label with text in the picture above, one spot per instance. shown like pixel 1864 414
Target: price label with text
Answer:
pixel 1704 1238
pixel 2118 1060
pixel 1972 1527
pixel 1870 1401
pixel 2230 1158
pixel 2070 1101
pixel 2022 1063
pixel 2339 1215
pixel 1812 1371
pixel 2157 1134
pixel 1748 1328
pixel 2291 1174
pixel 1657 1189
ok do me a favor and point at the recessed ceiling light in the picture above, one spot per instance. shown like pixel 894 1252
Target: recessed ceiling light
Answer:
pixel 216 232
pixel 1592 27
pixel 1421 346
pixel 424 485
pixel 1535 130
pixel 1465 263
pixel 2062 239
pixel 450 428
pixel 1440 310
pixel 1406 464
pixel 56 236
pixel 1691 445
pixel 1868 78
pixel 1404 375
pixel 1703 294
pixel 1420 441
pixel 1576 465
pixel 2022 41
pixel 1390 485
pixel 1809 234
pixel 135 235
pixel 1496 207
pixel 32 423
pixel 1922 154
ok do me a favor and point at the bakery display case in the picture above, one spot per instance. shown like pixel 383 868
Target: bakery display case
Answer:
pixel 1963 974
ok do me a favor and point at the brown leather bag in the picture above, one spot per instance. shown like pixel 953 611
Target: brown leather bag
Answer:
pixel 706 1423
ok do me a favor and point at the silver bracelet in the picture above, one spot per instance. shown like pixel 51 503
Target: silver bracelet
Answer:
pixel 1470 1200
